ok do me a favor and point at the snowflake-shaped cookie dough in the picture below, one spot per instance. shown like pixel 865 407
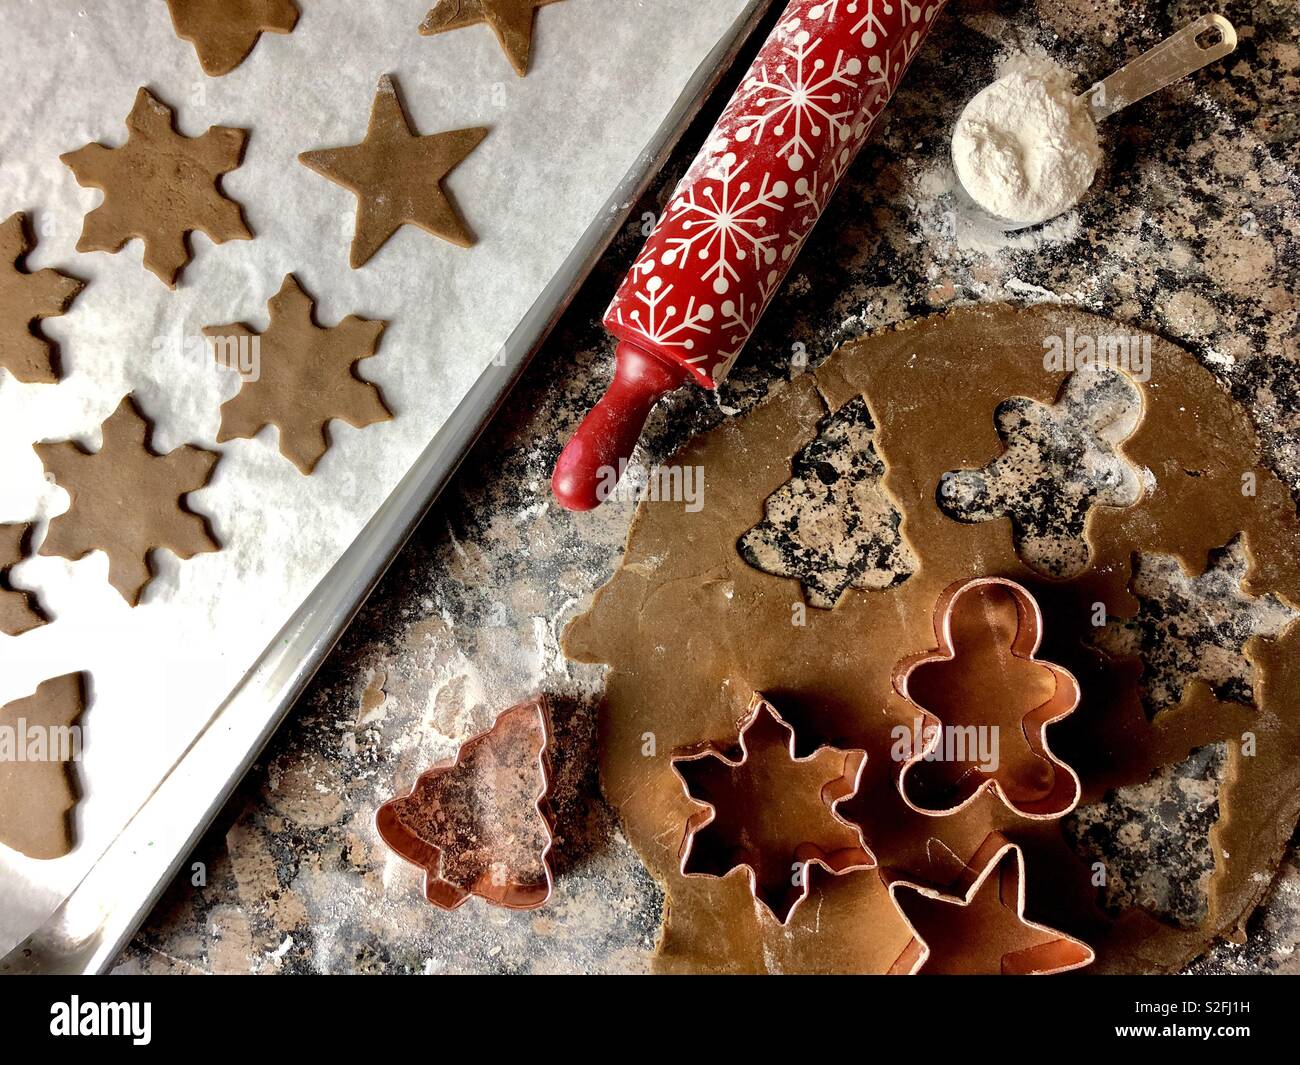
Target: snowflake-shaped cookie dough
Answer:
pixel 24 300
pixel 160 186
pixel 127 500
pixel 18 611
pixel 1059 462
pixel 305 376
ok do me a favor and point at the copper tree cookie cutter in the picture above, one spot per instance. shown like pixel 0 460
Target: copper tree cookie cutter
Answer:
pixel 1037 950
pixel 406 823
pixel 1039 785
pixel 841 776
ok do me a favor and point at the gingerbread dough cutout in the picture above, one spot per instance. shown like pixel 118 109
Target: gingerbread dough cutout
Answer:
pixel 397 176
pixel 686 624
pixel 24 300
pixel 18 613
pixel 39 742
pixel 160 186
pixel 307 377
pixel 127 500
pixel 224 32
pixel 511 21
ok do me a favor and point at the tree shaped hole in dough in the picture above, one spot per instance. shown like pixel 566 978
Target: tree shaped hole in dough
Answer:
pixel 1161 864
pixel 833 526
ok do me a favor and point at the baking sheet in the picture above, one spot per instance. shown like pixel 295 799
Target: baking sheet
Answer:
pixel 605 73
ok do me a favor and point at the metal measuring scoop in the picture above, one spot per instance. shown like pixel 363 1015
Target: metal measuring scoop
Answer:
pixel 1200 43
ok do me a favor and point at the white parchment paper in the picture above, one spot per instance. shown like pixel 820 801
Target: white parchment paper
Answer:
pixel 605 73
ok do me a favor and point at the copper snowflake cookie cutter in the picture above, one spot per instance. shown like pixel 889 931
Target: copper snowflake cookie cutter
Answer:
pixel 984 662
pixel 1035 949
pixel 448 826
pixel 841 773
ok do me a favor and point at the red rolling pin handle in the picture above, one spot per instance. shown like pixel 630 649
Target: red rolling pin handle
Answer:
pixel 595 458
pixel 741 214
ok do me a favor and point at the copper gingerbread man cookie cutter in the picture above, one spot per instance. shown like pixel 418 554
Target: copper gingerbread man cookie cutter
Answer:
pixel 985 667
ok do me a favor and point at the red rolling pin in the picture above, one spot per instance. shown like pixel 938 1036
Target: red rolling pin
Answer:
pixel 736 222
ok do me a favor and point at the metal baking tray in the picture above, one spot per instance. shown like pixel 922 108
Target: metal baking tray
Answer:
pixel 93 924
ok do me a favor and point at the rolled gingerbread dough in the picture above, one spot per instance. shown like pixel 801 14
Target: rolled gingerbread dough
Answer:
pixel 691 629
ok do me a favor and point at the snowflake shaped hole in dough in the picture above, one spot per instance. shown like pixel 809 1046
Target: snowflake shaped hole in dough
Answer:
pixel 1191 628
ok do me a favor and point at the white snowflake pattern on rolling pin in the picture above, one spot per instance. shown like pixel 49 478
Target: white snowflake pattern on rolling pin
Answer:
pixel 749 202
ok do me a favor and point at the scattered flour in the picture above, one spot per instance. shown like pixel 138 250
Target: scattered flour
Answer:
pixel 974 235
pixel 1025 149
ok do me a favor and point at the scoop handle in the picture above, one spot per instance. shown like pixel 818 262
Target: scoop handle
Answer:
pixel 1196 45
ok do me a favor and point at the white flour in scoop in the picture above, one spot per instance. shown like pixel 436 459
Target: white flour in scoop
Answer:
pixel 1025 149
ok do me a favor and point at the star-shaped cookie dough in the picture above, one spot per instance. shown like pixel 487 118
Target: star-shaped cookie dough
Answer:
pixel 160 186
pixel 17 611
pixel 397 176
pixel 981 929
pixel 127 500
pixel 24 300
pixel 306 376
pixel 39 741
pixel 511 21
pixel 224 32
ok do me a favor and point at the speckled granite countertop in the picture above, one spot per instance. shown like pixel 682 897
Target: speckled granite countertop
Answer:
pixel 1193 231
